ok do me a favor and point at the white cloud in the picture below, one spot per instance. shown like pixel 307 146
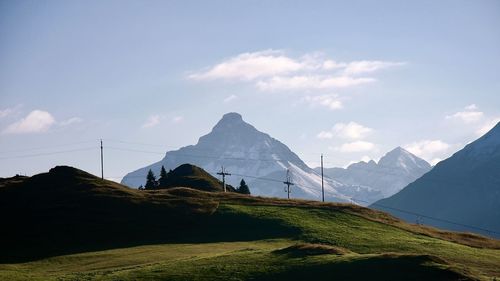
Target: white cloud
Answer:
pixel 230 98
pixel 331 64
pixel 471 107
pixel 273 70
pixel 351 130
pixel 305 82
pixel 427 149
pixel 486 127
pixel 249 66
pixel 70 121
pixel 356 146
pixel 152 121
pixel 324 135
pixel 330 101
pixel 177 119
pixel 467 116
pixel 364 66
pixel 35 122
pixel 470 115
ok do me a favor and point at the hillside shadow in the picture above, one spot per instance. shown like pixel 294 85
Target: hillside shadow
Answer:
pixel 63 230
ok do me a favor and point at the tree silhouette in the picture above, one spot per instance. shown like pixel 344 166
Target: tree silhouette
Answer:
pixel 243 189
pixel 162 181
pixel 151 180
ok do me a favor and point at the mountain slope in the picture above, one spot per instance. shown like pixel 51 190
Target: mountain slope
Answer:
pixel 393 172
pixel 464 188
pixel 248 153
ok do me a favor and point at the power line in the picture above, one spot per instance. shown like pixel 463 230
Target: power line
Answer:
pixel 47 153
pixel 249 159
pixel 206 156
pixel 45 147
pixel 288 181
pixel 428 217
pixel 396 209
pixel 387 172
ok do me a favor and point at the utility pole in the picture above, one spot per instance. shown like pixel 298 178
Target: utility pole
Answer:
pixel 102 165
pixel 288 183
pixel 223 174
pixel 322 185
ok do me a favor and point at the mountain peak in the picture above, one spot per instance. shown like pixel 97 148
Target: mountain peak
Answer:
pixel 232 116
pixel 400 157
pixel 230 120
pixel 399 150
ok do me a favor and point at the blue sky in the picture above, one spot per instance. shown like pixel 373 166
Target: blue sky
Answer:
pixel 350 79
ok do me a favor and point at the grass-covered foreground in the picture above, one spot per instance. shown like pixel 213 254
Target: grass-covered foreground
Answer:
pixel 220 236
pixel 256 260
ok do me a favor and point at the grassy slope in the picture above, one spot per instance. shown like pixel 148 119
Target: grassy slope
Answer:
pixel 367 240
pixel 243 238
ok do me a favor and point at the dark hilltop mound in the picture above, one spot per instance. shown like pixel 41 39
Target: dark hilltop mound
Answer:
pixel 191 176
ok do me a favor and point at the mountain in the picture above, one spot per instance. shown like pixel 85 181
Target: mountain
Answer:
pixel 463 189
pixel 260 159
pixel 393 172
pixel 188 175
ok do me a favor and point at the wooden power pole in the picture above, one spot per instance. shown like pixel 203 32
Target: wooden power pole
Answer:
pixel 223 174
pixel 322 184
pixel 102 163
pixel 288 183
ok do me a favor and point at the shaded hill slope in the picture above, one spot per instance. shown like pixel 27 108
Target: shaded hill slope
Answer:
pixel 67 210
pixel 187 175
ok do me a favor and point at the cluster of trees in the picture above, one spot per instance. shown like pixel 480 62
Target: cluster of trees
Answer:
pixel 152 183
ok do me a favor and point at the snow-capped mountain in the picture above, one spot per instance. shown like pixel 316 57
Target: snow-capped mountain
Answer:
pixel 460 193
pixel 254 156
pixel 393 172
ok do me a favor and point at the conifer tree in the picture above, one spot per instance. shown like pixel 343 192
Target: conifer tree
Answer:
pixel 162 181
pixel 151 180
pixel 243 189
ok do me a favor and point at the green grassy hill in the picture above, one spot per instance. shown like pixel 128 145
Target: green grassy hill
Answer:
pixel 70 225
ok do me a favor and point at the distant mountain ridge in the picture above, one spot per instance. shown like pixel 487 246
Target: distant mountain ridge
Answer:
pixel 393 172
pixel 464 189
pixel 255 156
